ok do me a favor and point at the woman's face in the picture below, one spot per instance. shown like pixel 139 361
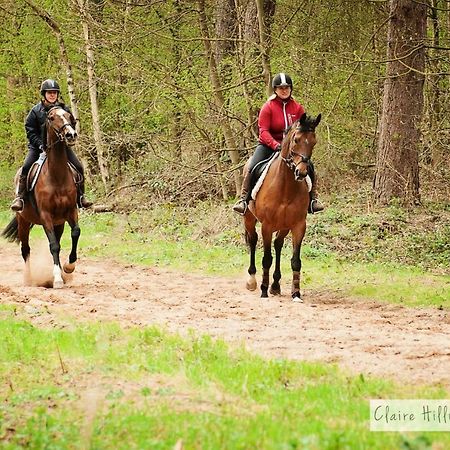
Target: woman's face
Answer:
pixel 51 96
pixel 284 92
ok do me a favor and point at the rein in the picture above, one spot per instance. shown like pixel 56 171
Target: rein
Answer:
pixel 289 161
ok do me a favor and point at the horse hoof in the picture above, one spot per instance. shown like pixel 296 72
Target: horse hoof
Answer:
pixel 264 295
pixel 251 284
pixel 297 299
pixel 58 284
pixel 275 291
pixel 69 267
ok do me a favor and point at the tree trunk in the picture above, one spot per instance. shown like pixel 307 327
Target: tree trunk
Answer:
pixel 98 140
pixel 264 44
pixel 397 167
pixel 218 97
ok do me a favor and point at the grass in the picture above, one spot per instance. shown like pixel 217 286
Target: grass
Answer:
pixel 206 239
pixel 99 386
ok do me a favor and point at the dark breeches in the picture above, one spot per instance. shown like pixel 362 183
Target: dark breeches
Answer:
pixel 262 152
pixel 32 156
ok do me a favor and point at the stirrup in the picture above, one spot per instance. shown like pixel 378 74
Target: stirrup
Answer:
pixel 16 206
pixel 311 206
pixel 83 203
pixel 237 207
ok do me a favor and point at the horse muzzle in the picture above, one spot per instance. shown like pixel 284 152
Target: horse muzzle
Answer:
pixel 70 136
pixel 298 175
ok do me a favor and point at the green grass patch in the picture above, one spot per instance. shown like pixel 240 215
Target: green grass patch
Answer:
pixel 103 387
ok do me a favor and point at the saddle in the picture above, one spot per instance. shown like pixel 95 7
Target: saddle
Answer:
pixel 35 170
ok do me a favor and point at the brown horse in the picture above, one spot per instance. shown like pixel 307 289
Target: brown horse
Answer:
pixel 54 199
pixel 281 206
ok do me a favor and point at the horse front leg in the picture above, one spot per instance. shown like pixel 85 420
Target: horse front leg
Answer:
pixel 267 259
pixel 275 288
pixel 251 238
pixel 296 262
pixel 55 248
pixel 69 266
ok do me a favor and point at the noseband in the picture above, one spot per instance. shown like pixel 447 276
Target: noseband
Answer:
pixel 289 161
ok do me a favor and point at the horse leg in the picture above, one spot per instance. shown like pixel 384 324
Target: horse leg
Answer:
pixel 278 245
pixel 55 248
pixel 23 233
pixel 267 259
pixel 251 237
pixel 69 266
pixel 296 262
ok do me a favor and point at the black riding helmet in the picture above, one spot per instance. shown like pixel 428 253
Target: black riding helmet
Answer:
pixel 49 85
pixel 281 79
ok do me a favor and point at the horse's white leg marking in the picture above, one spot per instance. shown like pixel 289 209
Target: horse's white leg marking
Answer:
pixel 297 300
pixel 58 282
pixel 251 283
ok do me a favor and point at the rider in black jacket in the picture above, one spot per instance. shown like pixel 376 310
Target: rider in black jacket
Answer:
pixel 35 129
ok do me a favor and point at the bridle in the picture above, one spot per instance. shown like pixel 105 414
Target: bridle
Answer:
pixel 289 161
pixel 67 137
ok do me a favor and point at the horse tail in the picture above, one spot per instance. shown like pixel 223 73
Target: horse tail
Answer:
pixel 11 232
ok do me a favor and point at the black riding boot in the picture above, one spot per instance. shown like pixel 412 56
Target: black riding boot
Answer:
pixel 241 205
pixel 17 204
pixel 83 202
pixel 315 205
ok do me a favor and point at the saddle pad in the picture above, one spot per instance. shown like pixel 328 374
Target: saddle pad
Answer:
pixel 35 170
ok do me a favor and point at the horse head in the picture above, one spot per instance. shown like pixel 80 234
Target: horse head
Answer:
pixel 298 145
pixel 63 124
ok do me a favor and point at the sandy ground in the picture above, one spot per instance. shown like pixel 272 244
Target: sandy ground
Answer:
pixel 407 344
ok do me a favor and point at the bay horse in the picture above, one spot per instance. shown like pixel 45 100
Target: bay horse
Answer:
pixel 54 199
pixel 281 205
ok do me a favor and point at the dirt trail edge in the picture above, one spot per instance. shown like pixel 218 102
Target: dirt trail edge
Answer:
pixel 407 344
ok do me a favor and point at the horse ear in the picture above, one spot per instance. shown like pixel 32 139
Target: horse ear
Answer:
pixel 303 118
pixel 318 118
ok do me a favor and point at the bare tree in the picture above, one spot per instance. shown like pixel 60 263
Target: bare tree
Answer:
pixel 83 10
pixel 397 167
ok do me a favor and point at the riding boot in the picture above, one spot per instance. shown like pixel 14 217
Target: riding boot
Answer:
pixel 315 205
pixel 17 204
pixel 83 202
pixel 241 205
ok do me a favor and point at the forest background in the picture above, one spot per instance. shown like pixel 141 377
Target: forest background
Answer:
pixel 167 95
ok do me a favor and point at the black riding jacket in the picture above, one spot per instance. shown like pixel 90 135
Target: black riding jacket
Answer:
pixel 35 124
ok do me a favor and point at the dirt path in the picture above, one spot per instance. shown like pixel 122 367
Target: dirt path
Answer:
pixel 410 345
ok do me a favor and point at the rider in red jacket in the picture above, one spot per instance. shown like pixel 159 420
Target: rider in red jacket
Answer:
pixel 276 116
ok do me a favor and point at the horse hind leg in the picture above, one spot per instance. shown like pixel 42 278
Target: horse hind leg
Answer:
pixel 266 261
pixel 251 237
pixel 275 288
pixel 23 234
